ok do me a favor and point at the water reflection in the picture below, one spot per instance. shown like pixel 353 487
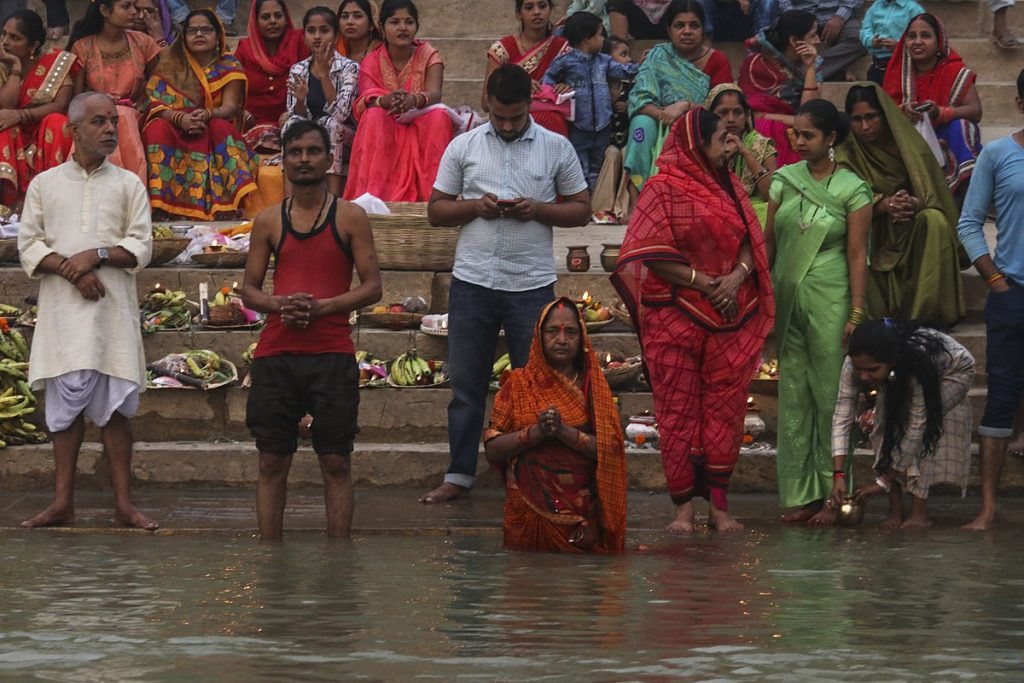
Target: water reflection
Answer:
pixel 773 604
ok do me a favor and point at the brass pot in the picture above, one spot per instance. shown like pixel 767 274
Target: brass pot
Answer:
pixel 609 256
pixel 577 260
pixel 851 512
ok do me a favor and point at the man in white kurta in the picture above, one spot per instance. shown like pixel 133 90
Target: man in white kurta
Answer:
pixel 85 232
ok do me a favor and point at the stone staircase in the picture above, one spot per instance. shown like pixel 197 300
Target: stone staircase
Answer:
pixel 199 439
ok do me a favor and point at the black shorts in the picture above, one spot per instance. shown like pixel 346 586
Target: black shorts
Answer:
pixel 286 387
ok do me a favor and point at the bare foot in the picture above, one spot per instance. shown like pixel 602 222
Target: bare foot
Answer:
pixel 891 522
pixel 800 514
pixel 983 522
pixel 131 517
pixel 683 523
pixel 826 516
pixel 55 515
pixel 915 522
pixel 443 493
pixel 723 521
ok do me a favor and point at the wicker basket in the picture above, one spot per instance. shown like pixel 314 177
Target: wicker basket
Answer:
pixel 9 250
pixel 222 259
pixel 393 321
pixel 622 375
pixel 167 249
pixel 405 240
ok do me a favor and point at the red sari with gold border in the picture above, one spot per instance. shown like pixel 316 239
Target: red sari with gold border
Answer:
pixel 29 148
pixel 535 61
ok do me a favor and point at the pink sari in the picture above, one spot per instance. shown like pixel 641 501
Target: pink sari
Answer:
pixel 396 162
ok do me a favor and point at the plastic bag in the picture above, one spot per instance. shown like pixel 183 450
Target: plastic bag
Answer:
pixel 924 127
pixel 371 204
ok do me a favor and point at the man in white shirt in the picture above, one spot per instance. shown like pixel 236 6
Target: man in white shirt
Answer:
pixel 85 232
pixel 509 174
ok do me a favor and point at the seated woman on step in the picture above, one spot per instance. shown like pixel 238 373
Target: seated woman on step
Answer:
pixel 199 164
pixel 556 438
pixel 358 34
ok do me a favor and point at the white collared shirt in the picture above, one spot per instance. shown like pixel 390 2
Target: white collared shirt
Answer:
pixel 505 253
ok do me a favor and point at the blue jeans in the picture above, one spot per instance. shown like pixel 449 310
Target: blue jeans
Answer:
pixel 225 11
pixel 590 147
pixel 475 315
pixel 1004 360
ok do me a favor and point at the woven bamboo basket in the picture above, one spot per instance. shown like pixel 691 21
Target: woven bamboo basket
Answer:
pixel 222 259
pixel 167 249
pixel 9 250
pixel 622 375
pixel 405 240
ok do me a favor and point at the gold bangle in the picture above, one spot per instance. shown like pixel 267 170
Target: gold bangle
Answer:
pixel 745 266
pixel 693 275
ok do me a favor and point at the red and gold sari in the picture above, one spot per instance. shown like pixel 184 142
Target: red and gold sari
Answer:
pixel 29 148
pixel 699 363
pixel 202 175
pixel 551 489
pixel 535 61
pixel 393 160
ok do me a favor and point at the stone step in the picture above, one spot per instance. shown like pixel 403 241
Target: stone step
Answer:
pixel 200 464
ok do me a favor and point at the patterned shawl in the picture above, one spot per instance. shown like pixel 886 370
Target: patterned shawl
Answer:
pixel 535 60
pixel 772 83
pixel 666 78
pixel 694 214
pixel 945 85
pixel 537 386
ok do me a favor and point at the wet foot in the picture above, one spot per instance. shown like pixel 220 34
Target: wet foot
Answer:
pixel 826 516
pixel 443 493
pixel 915 522
pixel 893 522
pixel 800 514
pixel 52 516
pixel 1016 448
pixel 984 521
pixel 131 517
pixel 723 521
pixel 683 523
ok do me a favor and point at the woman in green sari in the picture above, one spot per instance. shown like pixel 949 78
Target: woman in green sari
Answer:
pixel 816 232
pixel 673 79
pixel 914 252
pixel 752 156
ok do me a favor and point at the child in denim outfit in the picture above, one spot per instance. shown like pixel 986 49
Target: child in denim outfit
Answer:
pixel 585 70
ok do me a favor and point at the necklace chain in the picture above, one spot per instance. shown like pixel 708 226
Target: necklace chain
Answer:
pixel 316 221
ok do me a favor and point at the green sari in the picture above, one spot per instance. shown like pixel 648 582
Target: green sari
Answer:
pixel 914 267
pixel 762 148
pixel 664 79
pixel 812 295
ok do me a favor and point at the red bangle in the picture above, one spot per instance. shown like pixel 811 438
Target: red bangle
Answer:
pixel 839 474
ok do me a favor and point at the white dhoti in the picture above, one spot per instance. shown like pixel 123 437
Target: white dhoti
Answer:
pixel 90 392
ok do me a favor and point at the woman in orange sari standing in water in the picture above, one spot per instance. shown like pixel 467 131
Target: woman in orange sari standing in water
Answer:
pixel 117 61
pixel 556 437
pixel 199 164
pixel 694 275
pixel 34 100
pixel 400 138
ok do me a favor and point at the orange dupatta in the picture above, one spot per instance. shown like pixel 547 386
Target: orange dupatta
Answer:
pixel 536 387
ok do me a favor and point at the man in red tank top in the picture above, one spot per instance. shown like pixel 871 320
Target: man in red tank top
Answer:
pixel 305 362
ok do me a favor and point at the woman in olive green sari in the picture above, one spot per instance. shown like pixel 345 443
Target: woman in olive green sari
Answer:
pixel 914 252
pixel 816 232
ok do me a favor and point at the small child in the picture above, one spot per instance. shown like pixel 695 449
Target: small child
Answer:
pixel 884 24
pixel 618 49
pixel 609 200
pixel 586 71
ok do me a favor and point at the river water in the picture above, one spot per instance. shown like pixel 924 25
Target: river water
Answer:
pixel 772 604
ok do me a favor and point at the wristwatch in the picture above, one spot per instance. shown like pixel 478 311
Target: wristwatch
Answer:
pixel 103 254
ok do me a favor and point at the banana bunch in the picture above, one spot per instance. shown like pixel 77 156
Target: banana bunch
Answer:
pixel 8 311
pixel 16 398
pixel 203 364
pixel 409 370
pixel 223 297
pixel 162 232
pixel 500 366
pixel 247 355
pixel 769 370
pixel 165 309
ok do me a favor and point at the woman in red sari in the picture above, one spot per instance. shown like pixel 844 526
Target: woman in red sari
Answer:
pixel 273 44
pixel 694 274
pixel 357 29
pixel 555 436
pixel 199 164
pixel 779 73
pixel 401 134
pixel 533 49
pixel 34 100
pixel 926 71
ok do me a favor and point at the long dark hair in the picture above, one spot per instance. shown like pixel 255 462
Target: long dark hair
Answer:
pixel 862 93
pixel 912 351
pixel 364 5
pixel 391 7
pixel 91 23
pixel 30 25
pixel 826 118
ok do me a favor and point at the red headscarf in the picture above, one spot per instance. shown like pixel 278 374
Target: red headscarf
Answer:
pixel 695 214
pixel 292 48
pixel 945 85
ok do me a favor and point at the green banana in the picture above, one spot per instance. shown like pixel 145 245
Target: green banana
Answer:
pixel 500 365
